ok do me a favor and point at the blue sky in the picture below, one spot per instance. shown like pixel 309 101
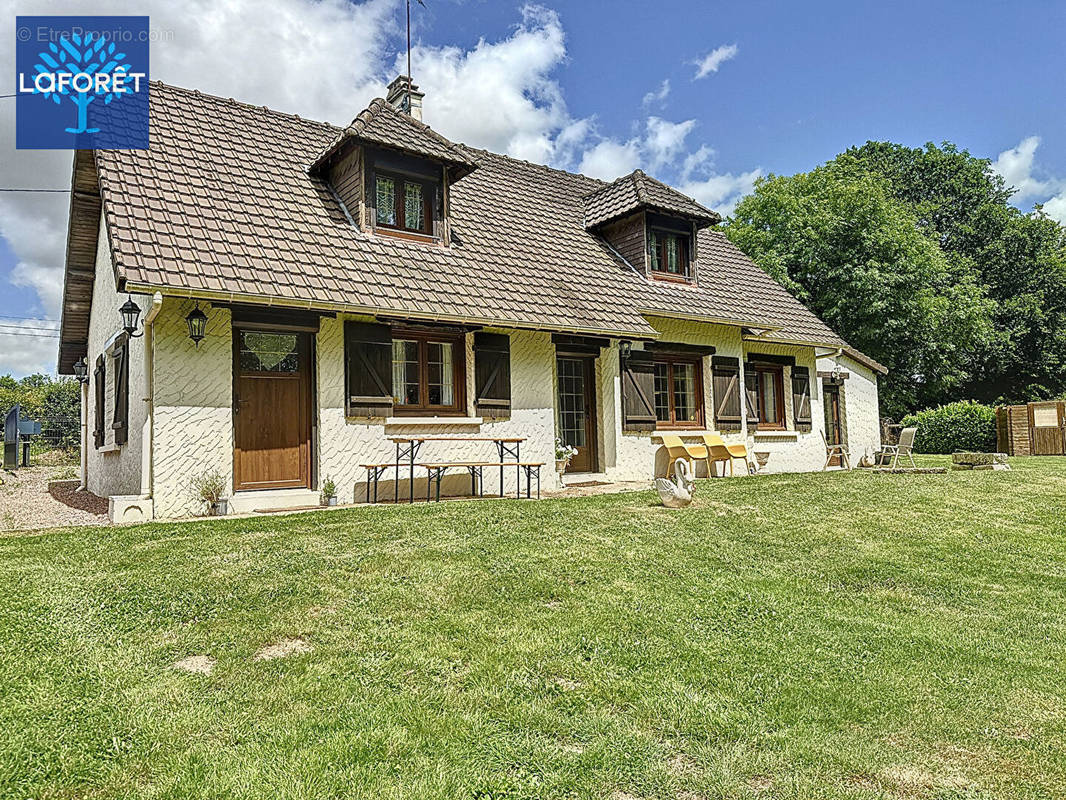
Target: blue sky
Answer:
pixel 596 87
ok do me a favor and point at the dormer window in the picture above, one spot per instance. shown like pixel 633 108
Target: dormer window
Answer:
pixel 403 203
pixel 668 252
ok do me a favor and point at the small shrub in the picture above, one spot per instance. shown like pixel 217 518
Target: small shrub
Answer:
pixel 329 488
pixel 965 426
pixel 210 487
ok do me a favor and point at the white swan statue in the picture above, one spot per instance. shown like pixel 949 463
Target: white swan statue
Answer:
pixel 676 493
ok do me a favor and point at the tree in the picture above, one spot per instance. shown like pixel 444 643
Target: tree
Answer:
pixel 859 259
pixel 73 64
pixel 1019 259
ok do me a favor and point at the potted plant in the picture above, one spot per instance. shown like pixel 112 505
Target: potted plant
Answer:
pixel 329 492
pixel 563 453
pixel 210 488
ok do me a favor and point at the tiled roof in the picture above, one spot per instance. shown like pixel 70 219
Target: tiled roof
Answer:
pixel 382 124
pixel 635 191
pixel 223 204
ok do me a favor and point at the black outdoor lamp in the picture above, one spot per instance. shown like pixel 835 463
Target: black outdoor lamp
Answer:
pixel 131 314
pixel 197 322
pixel 625 347
pixel 81 371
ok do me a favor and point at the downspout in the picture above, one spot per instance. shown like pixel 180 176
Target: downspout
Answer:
pixel 84 485
pixel 148 433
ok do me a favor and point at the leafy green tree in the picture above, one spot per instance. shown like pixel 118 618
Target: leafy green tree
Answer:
pixel 857 256
pixel 1019 259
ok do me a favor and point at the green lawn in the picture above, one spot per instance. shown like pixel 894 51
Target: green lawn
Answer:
pixel 823 636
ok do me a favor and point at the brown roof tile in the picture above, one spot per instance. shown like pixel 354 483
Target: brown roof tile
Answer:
pixel 226 187
pixel 635 191
pixel 382 124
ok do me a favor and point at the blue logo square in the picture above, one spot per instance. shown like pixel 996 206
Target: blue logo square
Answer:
pixel 81 83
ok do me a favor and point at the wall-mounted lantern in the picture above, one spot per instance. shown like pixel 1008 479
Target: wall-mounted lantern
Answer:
pixel 197 322
pixel 838 374
pixel 131 315
pixel 81 371
pixel 625 347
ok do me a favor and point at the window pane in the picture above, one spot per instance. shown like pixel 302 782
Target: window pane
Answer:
pixel 405 372
pixel 673 254
pixel 654 248
pixel 768 397
pixel 413 208
pixel 386 201
pixel 662 393
pixel 684 392
pixel 572 401
pixel 268 352
pixel 441 374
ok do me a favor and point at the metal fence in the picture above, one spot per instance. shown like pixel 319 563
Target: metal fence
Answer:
pixel 57 443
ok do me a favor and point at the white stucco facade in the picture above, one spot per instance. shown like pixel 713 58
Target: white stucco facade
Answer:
pixel 181 421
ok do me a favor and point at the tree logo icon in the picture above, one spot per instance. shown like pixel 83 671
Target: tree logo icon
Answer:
pixel 92 62
pixel 88 58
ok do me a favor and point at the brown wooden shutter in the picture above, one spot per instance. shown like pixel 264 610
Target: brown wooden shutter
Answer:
pixel 725 386
pixel 638 392
pixel 751 395
pixel 801 398
pixel 121 359
pixel 368 369
pixel 99 387
pixel 492 375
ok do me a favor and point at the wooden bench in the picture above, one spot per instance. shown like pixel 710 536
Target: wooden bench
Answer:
pixel 436 470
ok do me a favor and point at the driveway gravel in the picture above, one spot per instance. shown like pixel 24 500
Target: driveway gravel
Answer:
pixel 32 498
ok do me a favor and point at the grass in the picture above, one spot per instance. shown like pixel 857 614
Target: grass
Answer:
pixel 825 635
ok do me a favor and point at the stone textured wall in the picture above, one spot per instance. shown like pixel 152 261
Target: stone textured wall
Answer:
pixel 193 418
pixel 193 406
pixel 114 470
pixel 344 443
pixel 860 408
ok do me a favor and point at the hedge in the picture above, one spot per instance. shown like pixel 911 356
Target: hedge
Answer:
pixel 965 426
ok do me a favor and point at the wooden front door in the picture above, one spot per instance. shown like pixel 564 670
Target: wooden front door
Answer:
pixel 1047 428
pixel 577 410
pixel 834 433
pixel 271 409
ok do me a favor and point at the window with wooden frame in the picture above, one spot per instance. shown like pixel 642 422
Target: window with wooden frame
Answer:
pixel 678 392
pixel 404 203
pixel 668 253
pixel 428 372
pixel 770 390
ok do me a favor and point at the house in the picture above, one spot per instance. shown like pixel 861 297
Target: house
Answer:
pixel 304 292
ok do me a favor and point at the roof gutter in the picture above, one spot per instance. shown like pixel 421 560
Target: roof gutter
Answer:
pixel 349 308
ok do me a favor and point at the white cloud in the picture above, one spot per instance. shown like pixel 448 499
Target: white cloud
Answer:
pixel 1016 166
pixel 721 192
pixel 657 97
pixel 500 95
pixel 1056 208
pixel 714 59
pixel 325 59
pixel 34 350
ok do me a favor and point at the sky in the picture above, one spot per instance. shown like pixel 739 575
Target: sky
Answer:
pixel 708 96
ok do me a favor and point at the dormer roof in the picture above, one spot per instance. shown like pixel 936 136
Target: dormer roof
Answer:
pixel 383 125
pixel 637 191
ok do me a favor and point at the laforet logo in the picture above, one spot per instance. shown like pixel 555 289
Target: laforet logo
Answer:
pixel 82 83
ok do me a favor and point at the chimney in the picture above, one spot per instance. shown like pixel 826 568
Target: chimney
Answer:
pixel 398 96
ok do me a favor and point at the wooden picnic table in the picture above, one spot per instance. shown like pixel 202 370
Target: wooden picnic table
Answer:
pixel 407 448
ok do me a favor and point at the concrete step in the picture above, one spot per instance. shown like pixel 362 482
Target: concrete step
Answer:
pixel 574 478
pixel 272 500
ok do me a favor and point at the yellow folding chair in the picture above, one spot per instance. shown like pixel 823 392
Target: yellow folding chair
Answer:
pixel 718 450
pixel 677 450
